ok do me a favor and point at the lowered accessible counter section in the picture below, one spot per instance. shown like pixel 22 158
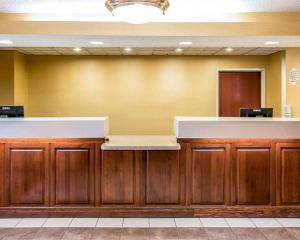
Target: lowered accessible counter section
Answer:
pixel 143 142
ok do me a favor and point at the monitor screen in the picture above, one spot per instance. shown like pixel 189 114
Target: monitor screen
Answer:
pixel 256 112
pixel 11 111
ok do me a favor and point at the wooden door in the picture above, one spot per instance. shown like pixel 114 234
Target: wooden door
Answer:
pixel 209 174
pixel 72 171
pixel 118 177
pixel 163 177
pixel 253 174
pixel 238 90
pixel 26 174
pixel 288 174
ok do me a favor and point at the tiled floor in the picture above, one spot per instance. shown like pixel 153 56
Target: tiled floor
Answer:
pixel 150 228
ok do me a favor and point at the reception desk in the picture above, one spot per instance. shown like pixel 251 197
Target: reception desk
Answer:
pixel 210 167
pixel 241 166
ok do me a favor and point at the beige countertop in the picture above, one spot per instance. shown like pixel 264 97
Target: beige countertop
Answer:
pixel 141 142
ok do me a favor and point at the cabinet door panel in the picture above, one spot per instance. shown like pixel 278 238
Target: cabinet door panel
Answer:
pixel 73 168
pixel 289 174
pixel 163 177
pixel 2 175
pixel 26 174
pixel 208 175
pixel 252 174
pixel 118 177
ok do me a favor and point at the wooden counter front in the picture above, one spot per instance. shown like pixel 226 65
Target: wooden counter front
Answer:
pixel 207 177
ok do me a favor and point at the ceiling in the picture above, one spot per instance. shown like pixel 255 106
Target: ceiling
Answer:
pixel 147 42
pixel 180 10
pixel 144 51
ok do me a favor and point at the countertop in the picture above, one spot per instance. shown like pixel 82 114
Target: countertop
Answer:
pixel 141 142
pixel 54 127
pixel 228 127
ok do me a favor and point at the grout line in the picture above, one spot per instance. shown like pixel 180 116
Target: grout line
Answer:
pixel 253 223
pixel 18 222
pixel 71 222
pixel 227 223
pixel 279 223
pixel 44 222
pixel 199 219
pixel 122 223
pixel 97 222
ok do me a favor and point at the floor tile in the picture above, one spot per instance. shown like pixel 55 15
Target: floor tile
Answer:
pixel 192 234
pixel 136 223
pixel 31 222
pixel 266 222
pixel 57 222
pixel 135 234
pixel 21 234
pixel 78 234
pixel 248 234
pixel 110 223
pixel 83 222
pixel 240 222
pixel 277 234
pixel 214 222
pixel 163 233
pixel 9 222
pixel 289 222
pixel 188 222
pixel 3 232
pixel 162 223
pixel 220 234
pixel 49 234
pixel 295 232
pixel 106 234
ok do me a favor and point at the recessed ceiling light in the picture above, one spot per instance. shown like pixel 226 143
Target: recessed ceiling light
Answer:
pixel 178 50
pixel 6 42
pixel 127 49
pixel 185 43
pixel 96 42
pixel 271 42
pixel 77 49
pixel 229 49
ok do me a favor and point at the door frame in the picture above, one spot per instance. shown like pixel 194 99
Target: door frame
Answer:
pixel 262 82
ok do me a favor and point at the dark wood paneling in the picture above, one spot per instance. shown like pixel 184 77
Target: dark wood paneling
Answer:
pixel 163 177
pixel 1 175
pixel 209 174
pixel 288 174
pixel 238 90
pixel 26 174
pixel 73 174
pixel 251 171
pixel 118 177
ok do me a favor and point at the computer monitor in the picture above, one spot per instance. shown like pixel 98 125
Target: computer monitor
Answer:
pixel 256 112
pixel 11 111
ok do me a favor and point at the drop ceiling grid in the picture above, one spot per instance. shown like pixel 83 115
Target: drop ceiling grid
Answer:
pixel 143 51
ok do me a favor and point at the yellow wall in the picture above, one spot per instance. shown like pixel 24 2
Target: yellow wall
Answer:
pixel 20 80
pixel 293 92
pixel 140 94
pixel 273 83
pixel 6 77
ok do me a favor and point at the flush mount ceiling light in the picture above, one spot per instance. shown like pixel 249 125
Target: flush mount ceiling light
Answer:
pixel 229 49
pixel 127 49
pixel 77 49
pixel 96 42
pixel 137 11
pixel 6 41
pixel 185 43
pixel 271 42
